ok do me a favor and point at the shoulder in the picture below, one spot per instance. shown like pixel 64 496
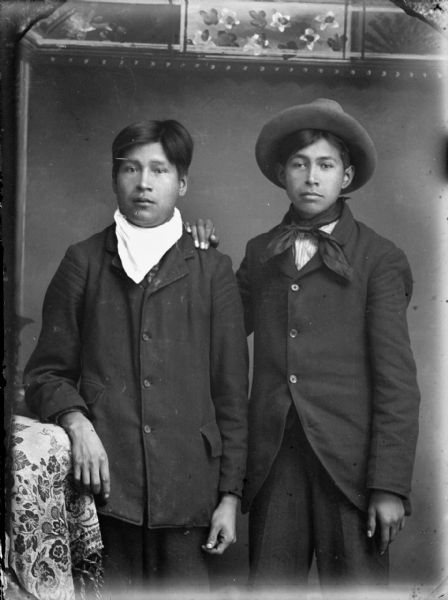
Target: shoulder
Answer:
pixel 259 242
pixel 362 242
pixel 378 257
pixel 93 246
pixel 208 259
pixel 378 245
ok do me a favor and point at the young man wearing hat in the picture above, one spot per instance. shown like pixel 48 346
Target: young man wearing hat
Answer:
pixel 333 415
pixel 142 358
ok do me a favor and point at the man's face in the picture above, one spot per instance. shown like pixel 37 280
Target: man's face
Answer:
pixel 314 177
pixel 147 186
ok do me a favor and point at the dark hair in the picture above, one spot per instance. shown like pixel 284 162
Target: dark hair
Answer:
pixel 174 138
pixel 305 137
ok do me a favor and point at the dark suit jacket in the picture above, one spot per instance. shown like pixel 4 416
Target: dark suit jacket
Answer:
pixel 161 370
pixel 340 351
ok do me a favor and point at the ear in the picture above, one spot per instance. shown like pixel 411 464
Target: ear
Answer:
pixel 183 185
pixel 349 173
pixel 280 170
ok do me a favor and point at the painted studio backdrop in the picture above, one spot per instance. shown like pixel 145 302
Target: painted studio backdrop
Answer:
pixel 222 69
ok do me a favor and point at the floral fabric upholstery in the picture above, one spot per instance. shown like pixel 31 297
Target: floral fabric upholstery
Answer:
pixel 53 528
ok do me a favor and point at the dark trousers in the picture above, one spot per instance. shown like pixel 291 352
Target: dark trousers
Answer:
pixel 300 513
pixel 137 558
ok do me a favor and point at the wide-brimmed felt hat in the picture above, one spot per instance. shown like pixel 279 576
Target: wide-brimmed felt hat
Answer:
pixel 323 114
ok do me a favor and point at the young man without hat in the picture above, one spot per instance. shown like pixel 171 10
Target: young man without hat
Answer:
pixel 142 358
pixel 333 414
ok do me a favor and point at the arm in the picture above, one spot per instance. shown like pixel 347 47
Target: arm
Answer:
pixel 229 377
pixel 244 286
pixel 53 371
pixel 395 399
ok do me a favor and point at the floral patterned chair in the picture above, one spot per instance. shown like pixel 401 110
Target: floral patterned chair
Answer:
pixel 53 533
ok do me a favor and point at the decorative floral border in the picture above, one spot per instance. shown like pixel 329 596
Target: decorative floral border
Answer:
pixel 302 31
pixel 288 29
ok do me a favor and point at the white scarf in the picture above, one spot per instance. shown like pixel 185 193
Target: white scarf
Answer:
pixel 141 248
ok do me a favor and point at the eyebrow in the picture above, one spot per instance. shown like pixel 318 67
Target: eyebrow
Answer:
pixel 299 155
pixel 137 162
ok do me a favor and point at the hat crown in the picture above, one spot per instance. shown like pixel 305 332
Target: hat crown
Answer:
pixel 327 104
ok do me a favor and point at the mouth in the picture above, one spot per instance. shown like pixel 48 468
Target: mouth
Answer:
pixel 143 201
pixel 311 195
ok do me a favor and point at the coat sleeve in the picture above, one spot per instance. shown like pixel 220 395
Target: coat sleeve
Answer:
pixel 396 397
pixel 244 285
pixel 229 376
pixel 52 372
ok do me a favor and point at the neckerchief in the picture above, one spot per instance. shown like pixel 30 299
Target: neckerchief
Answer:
pixel 328 247
pixel 141 248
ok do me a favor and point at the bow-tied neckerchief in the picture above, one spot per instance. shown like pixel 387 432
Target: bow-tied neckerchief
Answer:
pixel 328 247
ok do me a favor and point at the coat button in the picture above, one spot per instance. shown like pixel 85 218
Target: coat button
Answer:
pixel 293 333
pixel 146 383
pixel 145 336
pixel 293 378
pixel 147 429
pixel 295 287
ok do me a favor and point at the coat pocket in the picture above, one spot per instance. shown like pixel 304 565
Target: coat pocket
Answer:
pixel 210 431
pixel 91 391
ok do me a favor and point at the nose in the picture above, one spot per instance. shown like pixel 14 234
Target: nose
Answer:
pixel 145 180
pixel 312 177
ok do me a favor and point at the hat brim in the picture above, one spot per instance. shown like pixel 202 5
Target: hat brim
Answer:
pixel 323 117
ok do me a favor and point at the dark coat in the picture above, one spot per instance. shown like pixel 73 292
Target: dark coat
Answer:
pixel 160 368
pixel 340 350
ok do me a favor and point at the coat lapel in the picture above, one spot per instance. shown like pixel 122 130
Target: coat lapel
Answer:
pixel 173 265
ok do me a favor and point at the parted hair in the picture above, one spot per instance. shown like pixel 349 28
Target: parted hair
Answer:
pixel 176 142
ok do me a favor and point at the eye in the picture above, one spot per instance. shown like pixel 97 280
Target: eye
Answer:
pixel 297 164
pixel 129 169
pixel 327 166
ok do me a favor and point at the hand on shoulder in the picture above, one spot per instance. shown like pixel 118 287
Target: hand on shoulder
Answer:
pixel 203 233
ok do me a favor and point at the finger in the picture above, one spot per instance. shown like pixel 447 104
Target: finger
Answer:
pixel 371 523
pixel 393 532
pixel 214 537
pixel 208 231
pixel 402 523
pixel 220 547
pixel 94 480
pixel 195 235
pixel 214 238
pixel 85 475
pixel 203 240
pixel 105 478
pixel 211 540
pixel 187 226
pixel 385 538
pixel 76 471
